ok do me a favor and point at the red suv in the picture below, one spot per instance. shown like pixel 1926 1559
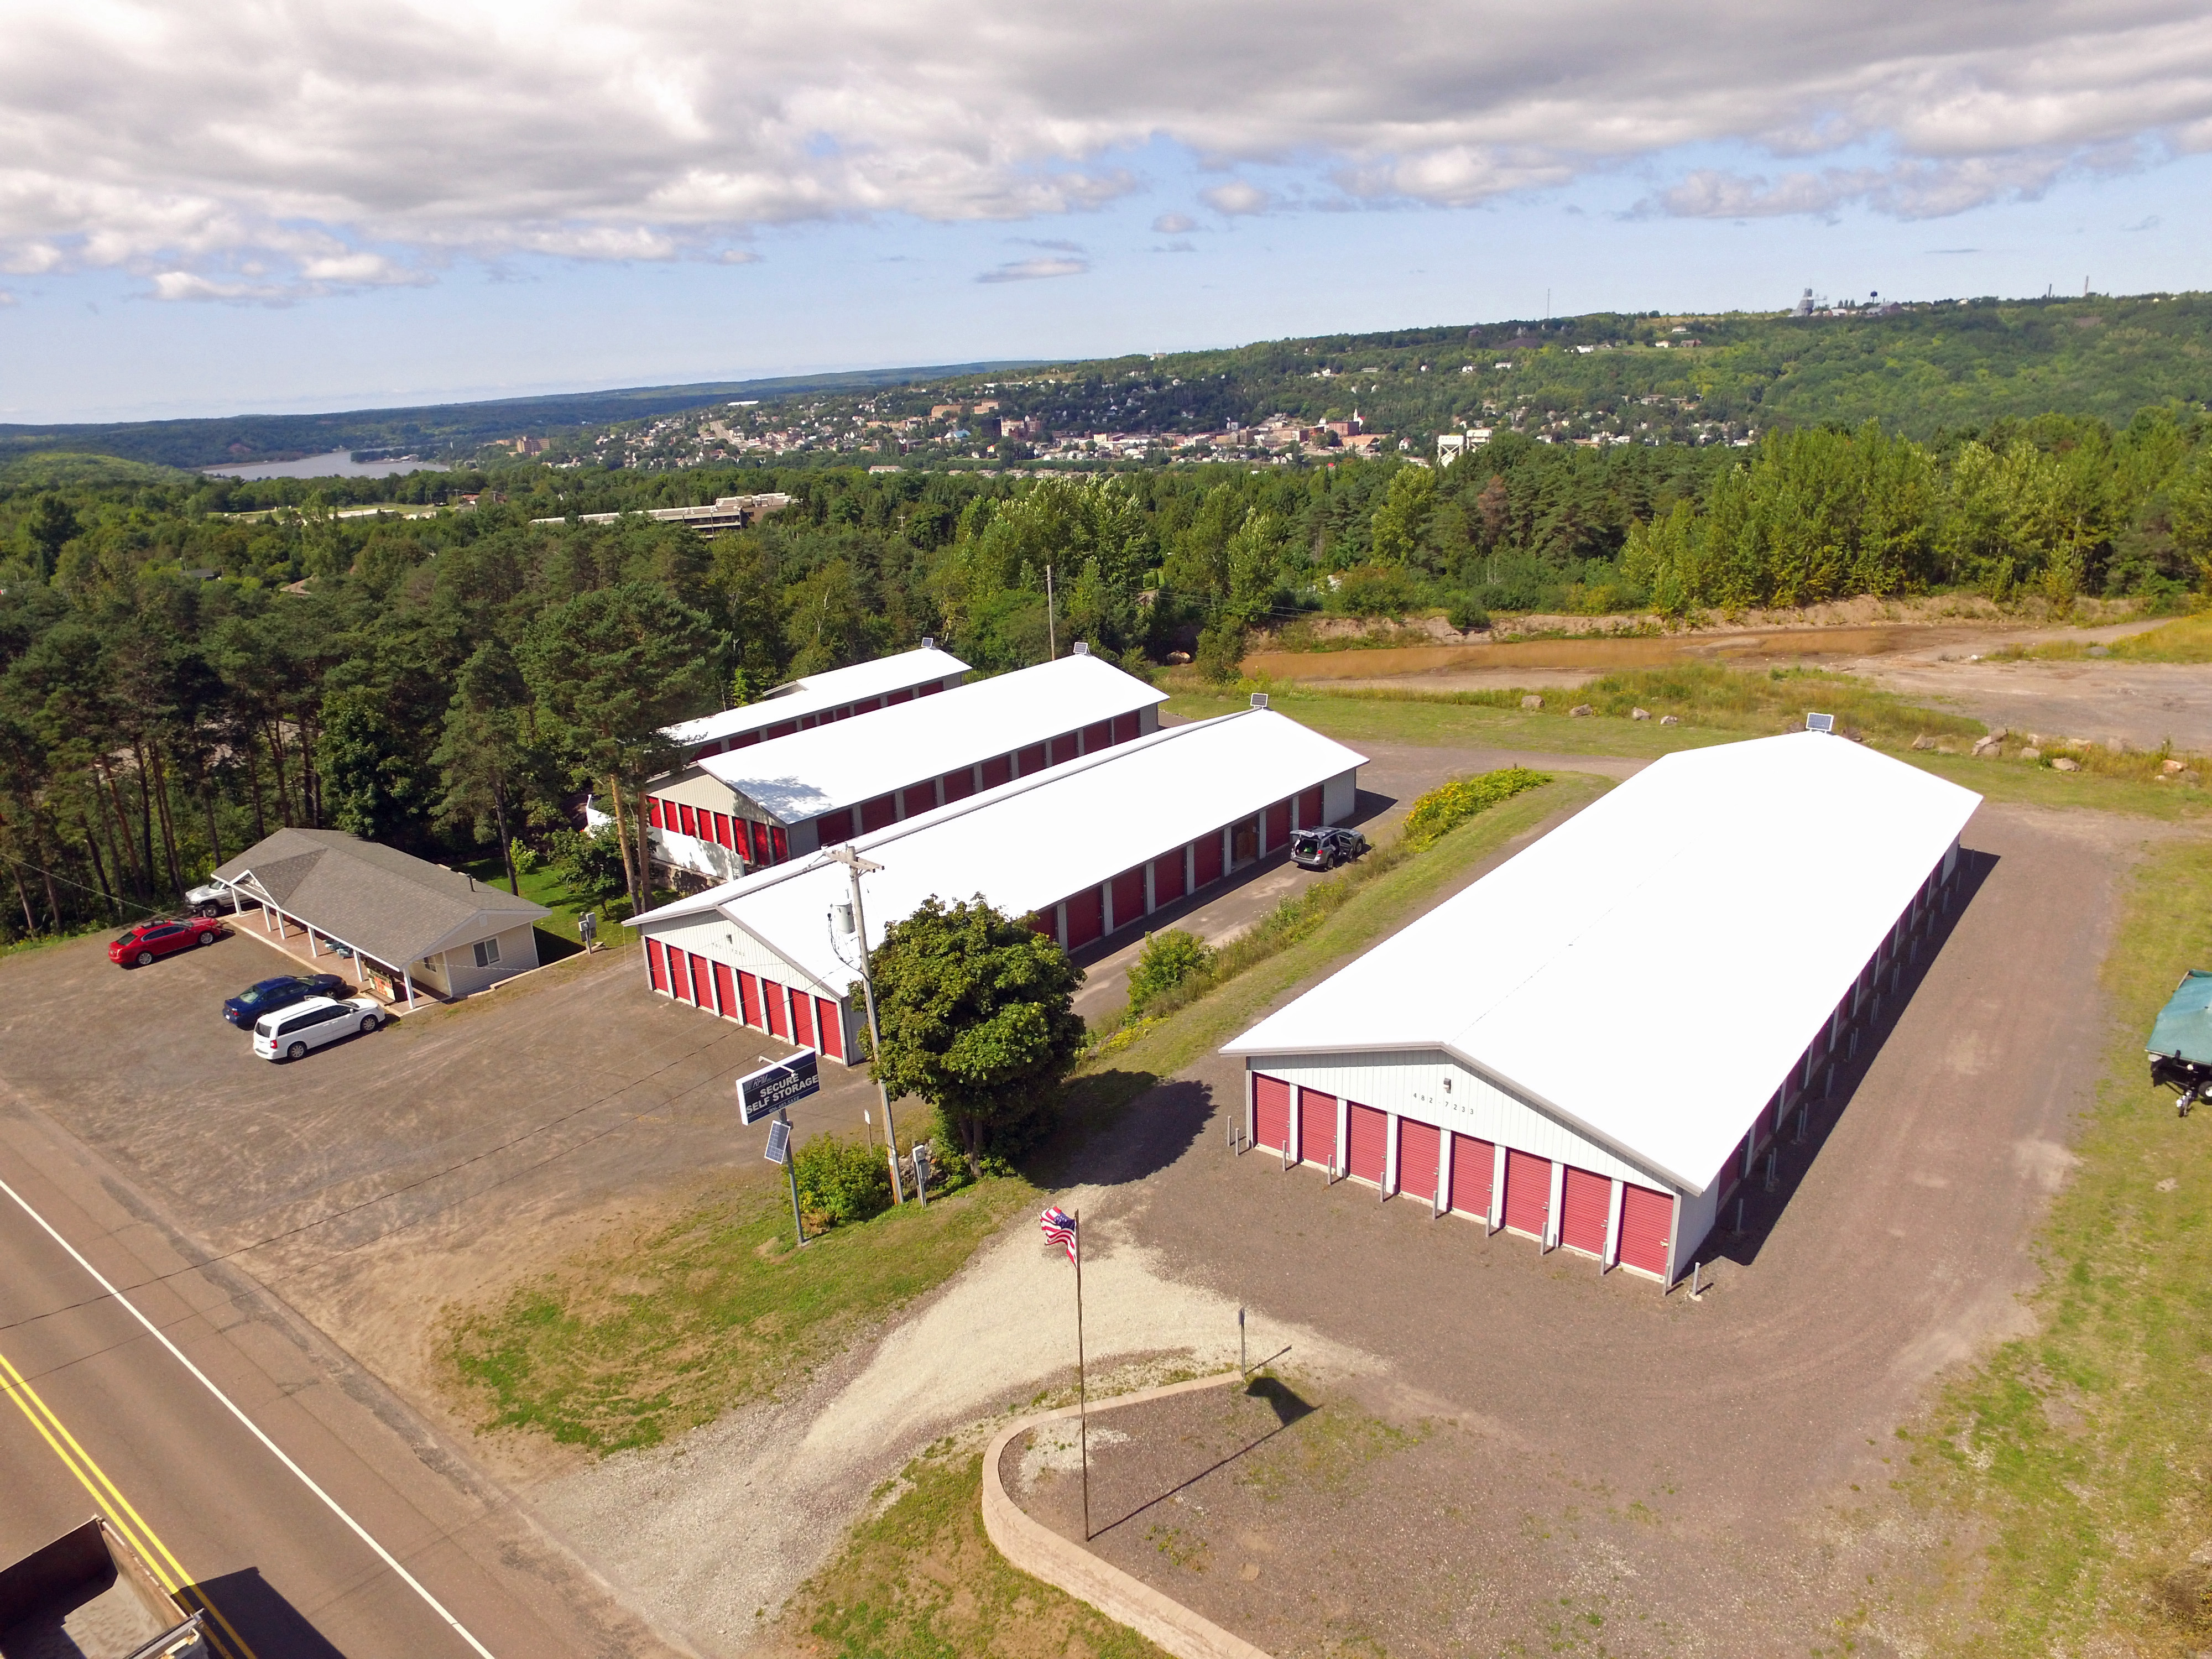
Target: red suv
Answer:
pixel 162 937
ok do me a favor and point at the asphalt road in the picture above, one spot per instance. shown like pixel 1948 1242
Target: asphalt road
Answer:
pixel 104 1418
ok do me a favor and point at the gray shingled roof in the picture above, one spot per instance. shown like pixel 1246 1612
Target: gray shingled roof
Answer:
pixel 384 903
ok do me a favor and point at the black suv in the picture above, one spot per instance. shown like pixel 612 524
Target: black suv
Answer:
pixel 1325 848
pixel 281 992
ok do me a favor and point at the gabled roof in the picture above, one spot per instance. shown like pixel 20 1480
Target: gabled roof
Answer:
pixel 832 689
pixel 384 903
pixel 1033 841
pixel 826 767
pixel 1649 972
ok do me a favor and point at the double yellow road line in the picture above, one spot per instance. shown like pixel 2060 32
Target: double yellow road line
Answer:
pixel 117 1507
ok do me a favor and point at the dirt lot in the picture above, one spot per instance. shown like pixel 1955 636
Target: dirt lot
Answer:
pixel 1538 1456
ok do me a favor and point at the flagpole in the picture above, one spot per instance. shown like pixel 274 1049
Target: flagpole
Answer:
pixel 1081 1385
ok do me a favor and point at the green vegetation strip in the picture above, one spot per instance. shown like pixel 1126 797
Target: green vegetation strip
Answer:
pixel 919 1580
pixel 641 1337
pixel 2079 1455
pixel 1364 908
pixel 2187 641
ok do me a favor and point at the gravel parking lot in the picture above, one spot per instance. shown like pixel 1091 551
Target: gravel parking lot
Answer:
pixel 1546 1457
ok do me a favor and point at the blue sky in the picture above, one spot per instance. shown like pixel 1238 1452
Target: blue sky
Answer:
pixel 332 225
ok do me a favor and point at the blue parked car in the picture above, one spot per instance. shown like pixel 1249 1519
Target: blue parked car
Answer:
pixel 281 992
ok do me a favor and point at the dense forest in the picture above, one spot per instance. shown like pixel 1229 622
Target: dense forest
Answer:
pixel 187 663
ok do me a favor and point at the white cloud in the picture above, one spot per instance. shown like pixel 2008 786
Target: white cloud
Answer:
pixel 1175 224
pixel 339 148
pixel 1029 271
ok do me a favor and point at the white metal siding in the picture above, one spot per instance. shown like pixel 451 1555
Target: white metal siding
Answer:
pixel 1412 1085
pixel 1338 795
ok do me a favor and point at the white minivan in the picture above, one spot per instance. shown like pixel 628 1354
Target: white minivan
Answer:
pixel 290 1032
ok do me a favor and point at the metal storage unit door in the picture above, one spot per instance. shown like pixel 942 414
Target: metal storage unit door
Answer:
pixel 802 1019
pixel 1098 737
pixel 1128 897
pixel 1277 825
pixel 772 994
pixel 1417 1147
pixel 1316 1127
pixel 1167 877
pixel 702 982
pixel 878 813
pixel 1087 917
pixel 1067 746
pixel 1473 1161
pixel 656 963
pixel 1586 1203
pixel 1124 728
pixel 1271 1113
pixel 1527 1192
pixel 1371 1140
pixel 957 785
pixel 679 976
pixel 997 770
pixel 1310 808
pixel 829 1026
pixel 835 828
pixel 725 991
pixel 1206 861
pixel 1646 1219
pixel 749 999
pixel 1033 759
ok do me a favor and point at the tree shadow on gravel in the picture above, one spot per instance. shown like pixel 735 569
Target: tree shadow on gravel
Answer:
pixel 1797 1148
pixel 1121 1127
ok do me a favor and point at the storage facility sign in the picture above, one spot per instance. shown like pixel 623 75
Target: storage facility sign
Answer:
pixel 768 1091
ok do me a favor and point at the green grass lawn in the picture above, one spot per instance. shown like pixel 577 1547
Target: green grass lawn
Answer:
pixel 2081 1457
pixel 2186 640
pixel 638 1338
pixel 558 934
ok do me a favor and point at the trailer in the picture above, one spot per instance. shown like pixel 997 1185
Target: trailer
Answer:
pixel 2180 1047
pixel 90 1595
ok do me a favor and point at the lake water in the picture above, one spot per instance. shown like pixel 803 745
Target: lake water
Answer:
pixel 339 463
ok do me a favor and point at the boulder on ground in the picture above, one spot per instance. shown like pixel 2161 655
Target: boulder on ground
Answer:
pixel 2062 764
pixel 1669 720
pixel 1579 710
pixel 1984 747
pixel 2170 765
pixel 1639 714
pixel 2030 753
pixel 1923 741
pixel 1532 701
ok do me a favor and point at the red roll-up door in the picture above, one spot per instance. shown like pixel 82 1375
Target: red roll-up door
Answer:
pixel 686 821
pixel 747 741
pixel 1206 861
pixel 1528 1191
pixel 1087 917
pixel 1418 1146
pixel 1098 737
pixel 1167 877
pixel 1124 728
pixel 749 999
pixel 702 983
pixel 1064 747
pixel 829 1025
pixel 836 827
pixel 802 1019
pixel 869 706
pixel 1310 808
pixel 929 690
pixel 1033 759
pixel 656 964
pixel 1585 1205
pixel 998 769
pixel 722 830
pixel 1473 1161
pixel 679 975
pixel 1647 1218
pixel 759 832
pixel 1279 826
pixel 779 844
pixel 1271 1113
pixel 1371 1140
pixel 782 729
pixel 653 810
pixel 879 813
pixel 725 991
pixel 905 695
pixel 779 1023
pixel 1042 922
pixel 957 785
pixel 1128 897
pixel 1316 1127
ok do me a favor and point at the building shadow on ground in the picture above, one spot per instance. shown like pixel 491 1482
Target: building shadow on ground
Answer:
pixel 250 1609
pixel 1739 1237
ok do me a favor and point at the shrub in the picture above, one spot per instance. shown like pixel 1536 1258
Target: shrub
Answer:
pixel 525 855
pixel 1466 615
pixel 1445 808
pixel 842 1181
pixel 1221 652
pixel 1168 959
pixel 1375 590
pixel 590 865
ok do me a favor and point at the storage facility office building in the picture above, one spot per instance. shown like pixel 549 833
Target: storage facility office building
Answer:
pixel 1088 849
pixel 1594 1044
pixel 782 798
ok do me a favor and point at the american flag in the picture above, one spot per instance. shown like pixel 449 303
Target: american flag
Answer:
pixel 1060 1227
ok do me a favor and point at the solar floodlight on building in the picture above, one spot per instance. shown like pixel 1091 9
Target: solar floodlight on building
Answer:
pixel 1820 722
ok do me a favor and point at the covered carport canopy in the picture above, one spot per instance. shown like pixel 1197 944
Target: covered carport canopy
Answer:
pixel 382 904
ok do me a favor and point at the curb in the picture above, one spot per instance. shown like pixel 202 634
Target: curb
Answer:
pixel 1043 1553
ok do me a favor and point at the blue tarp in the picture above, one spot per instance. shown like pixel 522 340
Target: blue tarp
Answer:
pixel 2183 1030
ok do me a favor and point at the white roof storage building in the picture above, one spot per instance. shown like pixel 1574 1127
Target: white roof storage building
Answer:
pixel 1639 997
pixel 835 694
pixel 1090 846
